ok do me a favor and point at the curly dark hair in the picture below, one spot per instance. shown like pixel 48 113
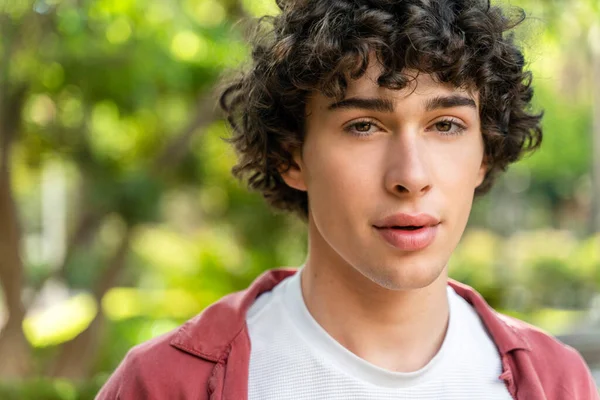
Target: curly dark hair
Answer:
pixel 317 45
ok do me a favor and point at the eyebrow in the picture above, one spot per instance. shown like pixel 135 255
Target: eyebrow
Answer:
pixel 386 105
pixel 451 101
pixel 381 105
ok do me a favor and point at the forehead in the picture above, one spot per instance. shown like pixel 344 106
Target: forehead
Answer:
pixel 420 87
pixel 420 84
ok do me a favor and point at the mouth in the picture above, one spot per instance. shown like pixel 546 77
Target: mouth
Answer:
pixel 408 233
pixel 404 228
pixel 409 238
pixel 407 222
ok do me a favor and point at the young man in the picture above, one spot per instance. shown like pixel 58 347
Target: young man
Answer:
pixel 377 121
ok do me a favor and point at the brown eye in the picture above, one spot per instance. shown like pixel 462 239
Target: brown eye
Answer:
pixel 448 127
pixel 363 126
pixel 444 126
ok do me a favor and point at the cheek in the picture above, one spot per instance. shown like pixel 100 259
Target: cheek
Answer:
pixel 457 166
pixel 457 180
pixel 340 171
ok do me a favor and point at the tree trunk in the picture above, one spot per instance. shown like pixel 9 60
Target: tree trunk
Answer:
pixel 77 356
pixel 15 351
pixel 14 348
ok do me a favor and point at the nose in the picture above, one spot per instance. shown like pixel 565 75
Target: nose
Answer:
pixel 407 170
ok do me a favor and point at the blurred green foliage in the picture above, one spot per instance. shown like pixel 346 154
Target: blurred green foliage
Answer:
pixel 531 270
pixel 117 117
pixel 50 389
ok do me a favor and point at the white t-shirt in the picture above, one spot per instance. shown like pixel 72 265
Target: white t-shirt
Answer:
pixel 293 357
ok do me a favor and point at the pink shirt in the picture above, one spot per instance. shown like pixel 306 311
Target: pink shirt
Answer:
pixel 208 356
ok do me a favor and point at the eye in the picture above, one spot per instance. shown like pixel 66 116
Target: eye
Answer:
pixel 362 128
pixel 444 126
pixel 449 127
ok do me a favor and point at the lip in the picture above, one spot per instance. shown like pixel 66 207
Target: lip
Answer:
pixel 402 219
pixel 408 240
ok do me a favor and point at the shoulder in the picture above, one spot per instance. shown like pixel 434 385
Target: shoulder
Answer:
pixel 536 358
pixel 547 354
pixel 186 362
pixel 555 363
pixel 543 346
pixel 156 370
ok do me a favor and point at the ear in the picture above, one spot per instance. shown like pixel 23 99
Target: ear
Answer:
pixel 483 169
pixel 294 174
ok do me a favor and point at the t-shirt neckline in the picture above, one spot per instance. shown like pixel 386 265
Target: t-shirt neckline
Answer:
pixel 330 351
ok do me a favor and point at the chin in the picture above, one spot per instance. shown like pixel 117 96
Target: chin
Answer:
pixel 404 276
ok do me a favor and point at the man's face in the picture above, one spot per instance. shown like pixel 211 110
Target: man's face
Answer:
pixel 390 177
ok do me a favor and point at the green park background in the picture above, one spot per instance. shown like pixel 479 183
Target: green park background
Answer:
pixel 119 218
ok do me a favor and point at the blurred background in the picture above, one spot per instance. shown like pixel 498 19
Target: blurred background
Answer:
pixel 119 219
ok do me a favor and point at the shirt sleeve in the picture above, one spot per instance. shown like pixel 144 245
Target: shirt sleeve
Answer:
pixel 584 383
pixel 126 383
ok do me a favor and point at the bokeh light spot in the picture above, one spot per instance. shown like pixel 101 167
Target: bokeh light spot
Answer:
pixel 60 322
pixel 206 13
pixel 119 31
pixel 41 110
pixel 53 76
pixel 187 45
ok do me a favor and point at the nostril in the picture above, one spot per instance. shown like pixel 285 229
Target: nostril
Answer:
pixel 402 189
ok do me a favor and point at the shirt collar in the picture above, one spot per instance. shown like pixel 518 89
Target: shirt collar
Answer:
pixel 505 331
pixel 210 334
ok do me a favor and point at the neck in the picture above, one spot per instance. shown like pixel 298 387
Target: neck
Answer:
pixel 399 330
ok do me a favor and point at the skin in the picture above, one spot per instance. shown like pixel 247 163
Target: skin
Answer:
pixel 359 165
